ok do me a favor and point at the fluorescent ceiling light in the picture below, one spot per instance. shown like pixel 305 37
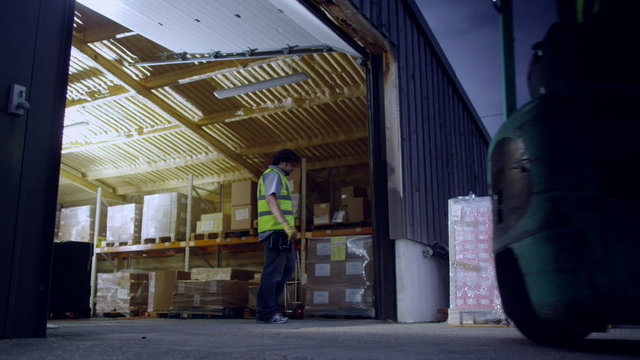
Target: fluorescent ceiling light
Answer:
pixel 261 85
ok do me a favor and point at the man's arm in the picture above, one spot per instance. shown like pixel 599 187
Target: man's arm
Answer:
pixel 292 232
pixel 275 208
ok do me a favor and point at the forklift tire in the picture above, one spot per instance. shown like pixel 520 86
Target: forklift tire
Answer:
pixel 518 307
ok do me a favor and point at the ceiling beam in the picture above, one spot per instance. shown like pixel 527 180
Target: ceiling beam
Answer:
pixel 337 163
pixel 306 143
pixel 175 77
pixel 170 164
pixel 75 177
pixel 102 33
pixel 182 184
pixel 205 71
pixel 115 70
pixel 246 113
pixel 114 91
pixel 140 134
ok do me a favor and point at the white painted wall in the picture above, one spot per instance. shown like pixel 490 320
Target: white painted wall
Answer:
pixel 422 283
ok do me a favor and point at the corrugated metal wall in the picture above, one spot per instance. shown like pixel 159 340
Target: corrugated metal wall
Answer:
pixel 443 144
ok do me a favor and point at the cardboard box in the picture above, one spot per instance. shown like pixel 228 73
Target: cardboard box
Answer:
pixel 340 261
pixel 349 192
pixel 295 180
pixel 243 193
pixel 340 300
pixel 204 274
pixel 322 213
pixel 124 223
pixel 319 250
pixel 213 222
pixel 252 300
pixel 242 217
pixel 357 209
pixel 161 287
pixel 78 223
pixel 165 215
pixel 213 294
pixel 125 292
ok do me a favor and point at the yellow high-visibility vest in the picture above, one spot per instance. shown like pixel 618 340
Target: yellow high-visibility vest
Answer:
pixel 266 220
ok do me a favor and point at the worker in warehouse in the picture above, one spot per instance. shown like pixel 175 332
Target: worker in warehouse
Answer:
pixel 277 233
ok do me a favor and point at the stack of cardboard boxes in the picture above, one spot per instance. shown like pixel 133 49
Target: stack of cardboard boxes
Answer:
pixel 134 292
pixel 243 205
pixel 164 216
pixel 354 203
pixel 213 223
pixel 295 183
pixel 78 223
pixel 161 285
pixel 340 276
pixel 353 208
pixel 124 224
pixel 125 292
pixel 212 289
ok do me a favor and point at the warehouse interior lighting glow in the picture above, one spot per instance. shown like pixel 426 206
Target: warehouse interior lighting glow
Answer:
pixel 261 85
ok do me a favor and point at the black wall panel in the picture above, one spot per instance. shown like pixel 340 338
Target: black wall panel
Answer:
pixel 444 143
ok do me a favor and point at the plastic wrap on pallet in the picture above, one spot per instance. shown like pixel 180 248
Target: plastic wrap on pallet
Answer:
pixel 195 295
pixel 124 292
pixel 213 222
pixel 78 223
pixel 204 274
pixel 474 295
pixel 165 215
pixel 340 300
pixel 340 276
pixel 124 223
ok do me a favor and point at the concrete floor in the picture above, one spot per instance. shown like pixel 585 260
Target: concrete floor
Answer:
pixel 158 339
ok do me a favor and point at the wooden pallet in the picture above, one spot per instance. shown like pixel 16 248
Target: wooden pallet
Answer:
pixel 241 233
pixel 206 235
pixel 345 225
pixel 225 313
pixel 161 239
pixel 158 314
pixel 458 317
pixel 116 243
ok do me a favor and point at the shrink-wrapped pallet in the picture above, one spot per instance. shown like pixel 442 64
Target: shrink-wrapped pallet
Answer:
pixel 340 276
pixel 124 292
pixel 164 217
pixel 124 224
pixel 78 223
pixel 473 292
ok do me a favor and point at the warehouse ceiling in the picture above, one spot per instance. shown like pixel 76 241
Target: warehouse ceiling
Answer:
pixel 135 129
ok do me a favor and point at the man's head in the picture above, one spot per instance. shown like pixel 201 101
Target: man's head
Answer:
pixel 286 160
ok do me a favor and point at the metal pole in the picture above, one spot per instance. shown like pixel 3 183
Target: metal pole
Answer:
pixel 303 216
pixel 505 9
pixel 94 258
pixel 188 225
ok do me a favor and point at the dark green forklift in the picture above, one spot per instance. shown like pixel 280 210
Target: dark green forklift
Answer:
pixel 563 177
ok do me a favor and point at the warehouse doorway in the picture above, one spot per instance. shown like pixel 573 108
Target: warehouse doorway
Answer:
pixel 140 152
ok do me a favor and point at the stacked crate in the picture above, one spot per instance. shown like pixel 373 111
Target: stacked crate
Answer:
pixel 354 205
pixel 124 292
pixel 164 217
pixel 243 205
pixel 78 223
pixel 340 276
pixel 213 223
pixel 161 287
pixel 124 224
pixel 196 296
pixel 474 296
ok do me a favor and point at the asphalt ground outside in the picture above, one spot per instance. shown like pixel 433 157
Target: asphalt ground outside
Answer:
pixel 158 339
